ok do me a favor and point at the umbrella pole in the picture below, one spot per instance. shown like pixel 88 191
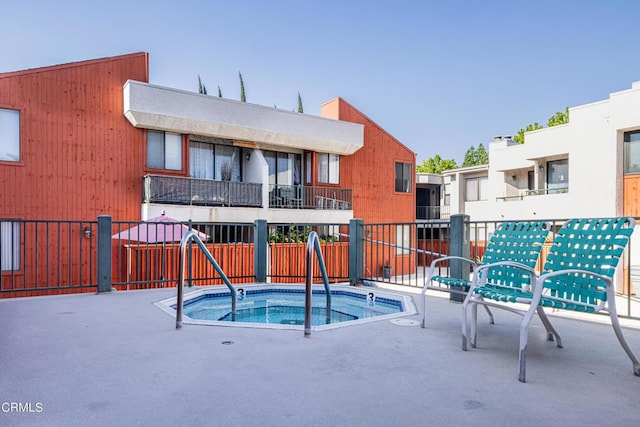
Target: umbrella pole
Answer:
pixel 128 265
pixel 164 264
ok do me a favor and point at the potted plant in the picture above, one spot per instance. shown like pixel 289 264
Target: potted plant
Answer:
pixel 226 171
pixel 386 270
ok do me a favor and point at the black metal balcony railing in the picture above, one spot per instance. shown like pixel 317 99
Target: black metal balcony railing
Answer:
pixel 433 212
pixel 305 197
pixel 540 192
pixel 205 192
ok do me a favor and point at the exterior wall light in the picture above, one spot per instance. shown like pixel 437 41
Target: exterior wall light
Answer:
pixel 87 232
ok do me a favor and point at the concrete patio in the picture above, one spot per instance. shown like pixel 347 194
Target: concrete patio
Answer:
pixel 116 359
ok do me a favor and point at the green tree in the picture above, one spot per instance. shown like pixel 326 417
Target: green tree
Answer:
pixel 300 109
pixel 219 92
pixel 243 98
pixel 559 118
pixel 436 164
pixel 519 136
pixel 201 87
pixel 476 156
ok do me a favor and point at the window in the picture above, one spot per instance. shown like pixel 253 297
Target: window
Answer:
pixel 164 150
pixel 558 176
pixel 403 177
pixel 201 160
pixel 446 199
pixel 227 163
pixel 403 240
pixel 10 245
pixel 632 152
pixel 284 168
pixel 307 172
pixel 9 135
pixel 215 161
pixel 328 168
pixel 476 189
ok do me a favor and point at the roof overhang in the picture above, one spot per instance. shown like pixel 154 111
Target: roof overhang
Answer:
pixel 429 179
pixel 156 107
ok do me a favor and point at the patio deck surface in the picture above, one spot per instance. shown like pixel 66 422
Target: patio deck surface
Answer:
pixel 116 359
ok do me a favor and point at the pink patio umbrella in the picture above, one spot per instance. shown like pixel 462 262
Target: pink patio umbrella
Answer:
pixel 160 229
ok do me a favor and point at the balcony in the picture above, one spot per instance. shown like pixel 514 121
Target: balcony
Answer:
pixel 432 212
pixel 202 192
pixel 306 197
pixel 540 192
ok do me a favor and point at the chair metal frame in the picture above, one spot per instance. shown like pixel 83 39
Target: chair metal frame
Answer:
pixel 577 275
pixel 519 242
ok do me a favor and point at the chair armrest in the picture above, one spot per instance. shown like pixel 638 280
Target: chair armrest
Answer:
pixel 432 267
pixel 482 267
pixel 551 274
pixel 506 263
pixel 446 258
pixel 609 288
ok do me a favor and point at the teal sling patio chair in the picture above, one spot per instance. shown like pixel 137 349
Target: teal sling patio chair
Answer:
pixel 577 276
pixel 518 242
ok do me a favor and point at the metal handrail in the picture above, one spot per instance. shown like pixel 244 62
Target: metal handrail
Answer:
pixel 313 242
pixel 192 235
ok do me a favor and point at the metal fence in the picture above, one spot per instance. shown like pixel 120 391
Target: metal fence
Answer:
pixel 205 192
pixel 308 197
pixel 401 254
pixel 432 212
pixel 288 251
pixel 145 255
pixel 47 257
pixel 54 257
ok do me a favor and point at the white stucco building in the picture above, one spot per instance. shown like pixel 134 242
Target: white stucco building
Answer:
pixel 586 168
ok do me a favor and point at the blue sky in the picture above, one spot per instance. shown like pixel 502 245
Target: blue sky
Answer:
pixel 439 75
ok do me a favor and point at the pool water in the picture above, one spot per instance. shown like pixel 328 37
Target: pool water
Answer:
pixel 287 315
pixel 274 306
pixel 287 306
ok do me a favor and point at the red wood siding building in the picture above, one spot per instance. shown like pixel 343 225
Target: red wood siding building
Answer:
pixel 371 170
pixel 79 156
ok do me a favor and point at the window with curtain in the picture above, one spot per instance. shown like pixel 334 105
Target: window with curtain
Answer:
pixel 308 162
pixel 164 150
pixel 10 245
pixel 403 177
pixel 227 163
pixel 284 168
pixel 201 160
pixel 403 240
pixel 9 135
pixel 328 168
pixel 220 162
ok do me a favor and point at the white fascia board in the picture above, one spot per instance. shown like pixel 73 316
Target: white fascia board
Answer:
pixel 428 178
pixel 466 170
pixel 156 107
pixel 246 215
